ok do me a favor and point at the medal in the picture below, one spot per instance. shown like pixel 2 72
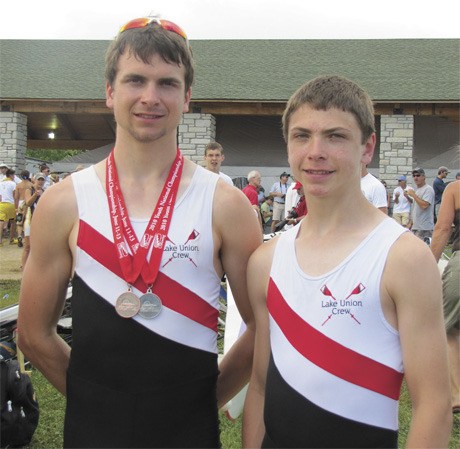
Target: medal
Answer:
pixel 127 305
pixel 132 253
pixel 150 305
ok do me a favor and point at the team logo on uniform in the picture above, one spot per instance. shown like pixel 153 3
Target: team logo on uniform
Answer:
pixel 185 252
pixel 342 307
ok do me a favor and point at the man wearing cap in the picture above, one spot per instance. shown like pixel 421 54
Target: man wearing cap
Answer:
pixel 438 187
pixel 422 214
pixel 278 192
pixel 402 202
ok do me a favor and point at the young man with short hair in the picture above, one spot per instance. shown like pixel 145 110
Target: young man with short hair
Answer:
pixel 213 158
pixel 347 303
pixel 146 235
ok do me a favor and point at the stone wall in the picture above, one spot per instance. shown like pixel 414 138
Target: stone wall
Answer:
pixel 13 139
pixel 195 132
pixel 396 147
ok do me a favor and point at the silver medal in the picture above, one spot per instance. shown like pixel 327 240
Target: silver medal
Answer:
pixel 150 305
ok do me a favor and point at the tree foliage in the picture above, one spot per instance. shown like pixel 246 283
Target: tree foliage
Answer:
pixel 51 155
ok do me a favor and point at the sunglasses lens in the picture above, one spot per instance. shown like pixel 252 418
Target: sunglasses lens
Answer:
pixel 170 26
pixel 135 23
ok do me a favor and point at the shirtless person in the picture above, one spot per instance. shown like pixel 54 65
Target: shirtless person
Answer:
pixel 346 303
pixel 146 235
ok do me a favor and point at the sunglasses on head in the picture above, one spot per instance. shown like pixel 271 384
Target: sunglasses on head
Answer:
pixel 145 21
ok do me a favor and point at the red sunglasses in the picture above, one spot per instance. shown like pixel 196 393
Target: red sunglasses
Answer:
pixel 145 21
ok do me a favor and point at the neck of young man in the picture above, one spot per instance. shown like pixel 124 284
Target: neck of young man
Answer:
pixel 144 159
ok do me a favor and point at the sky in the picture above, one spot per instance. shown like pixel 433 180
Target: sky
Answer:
pixel 235 19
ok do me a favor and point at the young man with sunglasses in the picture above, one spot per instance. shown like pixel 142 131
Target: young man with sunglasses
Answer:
pixel 146 236
pixel 347 303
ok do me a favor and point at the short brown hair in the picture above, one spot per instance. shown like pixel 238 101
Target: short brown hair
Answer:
pixel 326 92
pixel 145 42
pixel 213 146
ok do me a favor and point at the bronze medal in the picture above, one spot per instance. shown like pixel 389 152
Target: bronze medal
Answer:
pixel 150 306
pixel 127 305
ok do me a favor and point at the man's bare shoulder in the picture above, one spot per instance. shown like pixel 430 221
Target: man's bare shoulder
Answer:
pixel 410 266
pixel 59 200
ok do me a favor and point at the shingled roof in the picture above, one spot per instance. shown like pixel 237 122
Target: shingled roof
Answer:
pixel 411 70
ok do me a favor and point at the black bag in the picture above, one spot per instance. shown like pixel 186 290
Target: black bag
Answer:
pixel 19 413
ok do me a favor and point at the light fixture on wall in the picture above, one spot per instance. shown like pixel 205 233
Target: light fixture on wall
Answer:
pixel 51 135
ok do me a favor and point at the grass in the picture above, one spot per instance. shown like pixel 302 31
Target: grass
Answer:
pixel 52 404
pixel 49 432
pixel 9 293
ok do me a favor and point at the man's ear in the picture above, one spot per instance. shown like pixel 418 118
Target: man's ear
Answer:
pixel 109 95
pixel 188 95
pixel 368 149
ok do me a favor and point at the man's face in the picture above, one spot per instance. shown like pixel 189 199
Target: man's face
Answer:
pixel 419 179
pixel 256 180
pixel 325 150
pixel 213 160
pixel 402 184
pixel 148 100
pixel 443 174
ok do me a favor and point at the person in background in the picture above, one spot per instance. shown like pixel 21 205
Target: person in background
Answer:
pixel 213 158
pixel 31 197
pixel 374 191
pixel 266 209
pixel 146 236
pixel 8 206
pixel 423 206
pixel 3 169
pixel 278 192
pixel 402 202
pixel 251 192
pixel 20 192
pixel 347 303
pixel 448 222
pixel 45 170
pixel 438 186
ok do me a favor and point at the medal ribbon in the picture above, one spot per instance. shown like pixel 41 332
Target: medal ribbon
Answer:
pixel 136 264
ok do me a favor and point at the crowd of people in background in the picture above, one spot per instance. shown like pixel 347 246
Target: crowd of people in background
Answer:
pixel 19 196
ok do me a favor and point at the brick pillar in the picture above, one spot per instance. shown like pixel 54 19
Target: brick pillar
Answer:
pixel 396 147
pixel 13 139
pixel 195 132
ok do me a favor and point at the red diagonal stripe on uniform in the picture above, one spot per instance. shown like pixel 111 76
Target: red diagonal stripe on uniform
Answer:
pixel 330 355
pixel 172 294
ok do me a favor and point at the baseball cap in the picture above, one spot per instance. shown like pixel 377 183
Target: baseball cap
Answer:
pixel 40 176
pixel 442 169
pixel 402 178
pixel 284 174
pixel 418 170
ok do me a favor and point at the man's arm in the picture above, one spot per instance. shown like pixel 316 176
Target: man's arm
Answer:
pixel 443 227
pixel 421 202
pixel 44 283
pixel 412 283
pixel 238 234
pixel 258 276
